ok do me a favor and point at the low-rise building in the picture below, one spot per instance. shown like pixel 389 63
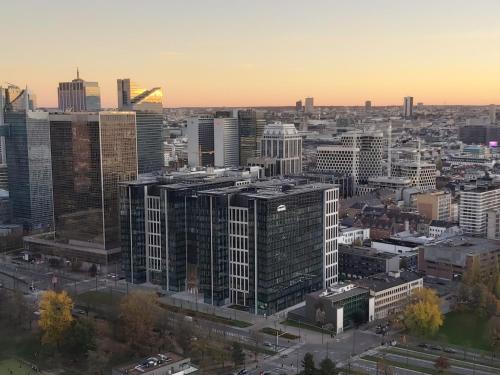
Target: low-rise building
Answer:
pixel 348 236
pixel 395 246
pixel 439 227
pixel 160 364
pixel 357 262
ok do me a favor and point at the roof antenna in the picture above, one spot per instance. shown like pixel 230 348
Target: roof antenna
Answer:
pixel 77 73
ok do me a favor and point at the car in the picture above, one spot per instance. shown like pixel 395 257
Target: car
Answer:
pixel 423 345
pixel 450 350
pixel 436 347
pixel 268 344
pixel 284 356
pixel 242 372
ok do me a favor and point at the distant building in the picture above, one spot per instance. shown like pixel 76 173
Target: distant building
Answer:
pixel 474 206
pixel 368 105
pixel 79 95
pixel 133 97
pixel 226 142
pixel 298 106
pixel 309 105
pixel 356 262
pixel 408 107
pixel 394 183
pixel 395 246
pixel 349 236
pixel 422 175
pixel 201 150
pixel 493 229
pixel 251 124
pixel 434 205
pixel 493 113
pixel 437 228
pixel 452 257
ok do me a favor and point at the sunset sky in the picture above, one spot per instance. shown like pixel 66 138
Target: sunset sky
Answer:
pixel 258 52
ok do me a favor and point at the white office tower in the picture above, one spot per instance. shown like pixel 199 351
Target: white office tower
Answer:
pixel 474 207
pixel 226 142
pixel 493 113
pixel 200 132
pixel 309 105
pixel 282 144
pixel 408 107
pixel 359 155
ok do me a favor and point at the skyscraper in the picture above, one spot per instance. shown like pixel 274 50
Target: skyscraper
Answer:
pixel 79 95
pixel 408 107
pixel 29 163
pixel 149 119
pixel 368 105
pixel 91 154
pixel 309 106
pixel 251 125
pixel 200 131
pixel 493 113
pixel 226 142
pixel 298 106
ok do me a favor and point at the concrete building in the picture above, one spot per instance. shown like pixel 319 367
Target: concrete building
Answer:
pixel 309 105
pixel 368 105
pixel 395 246
pixel 389 182
pixel 474 206
pixel 422 175
pixel 408 107
pixel 390 292
pixel 226 142
pixel 79 95
pixel 451 258
pixel 493 229
pixel 440 228
pixel 435 205
pixel 357 262
pixel 200 132
pixel 348 236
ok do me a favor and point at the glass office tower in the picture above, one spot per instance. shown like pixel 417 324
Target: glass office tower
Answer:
pixel 79 95
pixel 251 126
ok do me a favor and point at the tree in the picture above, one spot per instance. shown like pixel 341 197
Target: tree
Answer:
pixel 55 316
pixel 487 303
pixel 441 364
pixel 327 367
pixel 422 315
pixel 138 313
pixel 308 364
pixel 80 338
pixel 237 354
pixel 383 368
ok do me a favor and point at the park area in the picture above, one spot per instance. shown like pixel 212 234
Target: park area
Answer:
pixel 15 367
pixel 466 329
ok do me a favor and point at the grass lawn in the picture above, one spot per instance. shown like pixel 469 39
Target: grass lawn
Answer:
pixel 465 328
pixel 293 323
pixel 15 366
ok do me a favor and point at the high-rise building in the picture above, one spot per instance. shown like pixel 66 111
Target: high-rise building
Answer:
pixel 422 175
pixel 29 166
pixel 281 147
pixel 251 125
pixel 265 245
pixel 359 155
pixel 368 105
pixel 408 107
pixel 435 205
pixel 309 105
pixel 298 106
pixel 149 119
pixel 493 113
pixel 474 207
pixel 79 95
pixel 226 142
pixel 200 131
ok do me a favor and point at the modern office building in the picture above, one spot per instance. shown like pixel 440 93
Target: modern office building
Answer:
pixel 298 106
pixel 200 132
pixel 434 205
pixel 265 245
pixel 422 175
pixel 281 150
pixel 79 95
pixel 27 140
pixel 251 125
pixel 408 107
pixel 479 131
pixel 309 105
pixel 357 262
pixel 359 155
pixel 349 236
pixel 226 142
pixel 159 223
pixel 147 103
pixel 474 206
pixel 492 110
pixel 91 154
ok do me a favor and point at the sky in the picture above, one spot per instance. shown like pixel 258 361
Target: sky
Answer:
pixel 258 52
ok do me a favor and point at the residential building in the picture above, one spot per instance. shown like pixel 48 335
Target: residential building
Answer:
pixel 200 131
pixel 408 107
pixel 79 95
pixel 226 142
pixel 357 262
pixel 91 154
pixel 434 205
pixel 474 206
pixel 390 292
pixel 451 258
pixel 251 125
pixel 265 245
pixel 27 140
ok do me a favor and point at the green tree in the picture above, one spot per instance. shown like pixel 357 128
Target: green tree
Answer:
pixel 422 315
pixel 80 338
pixel 308 364
pixel 237 354
pixel 327 367
pixel 441 364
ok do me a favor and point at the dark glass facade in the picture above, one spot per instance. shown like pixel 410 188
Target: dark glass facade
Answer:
pixel 251 128
pixel 149 141
pixel 29 168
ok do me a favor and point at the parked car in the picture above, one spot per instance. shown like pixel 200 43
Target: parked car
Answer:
pixel 450 350
pixel 436 347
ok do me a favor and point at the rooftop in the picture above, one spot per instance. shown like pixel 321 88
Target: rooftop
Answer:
pixel 177 364
pixel 456 249
pixel 366 251
pixel 381 282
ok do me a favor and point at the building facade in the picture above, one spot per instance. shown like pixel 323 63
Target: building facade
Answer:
pixel 434 205
pixel 474 206
pixel 226 142
pixel 200 131
pixel 422 175
pixel 79 95
pixel 357 262
pixel 251 125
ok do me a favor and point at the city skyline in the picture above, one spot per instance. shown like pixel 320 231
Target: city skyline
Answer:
pixel 337 52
